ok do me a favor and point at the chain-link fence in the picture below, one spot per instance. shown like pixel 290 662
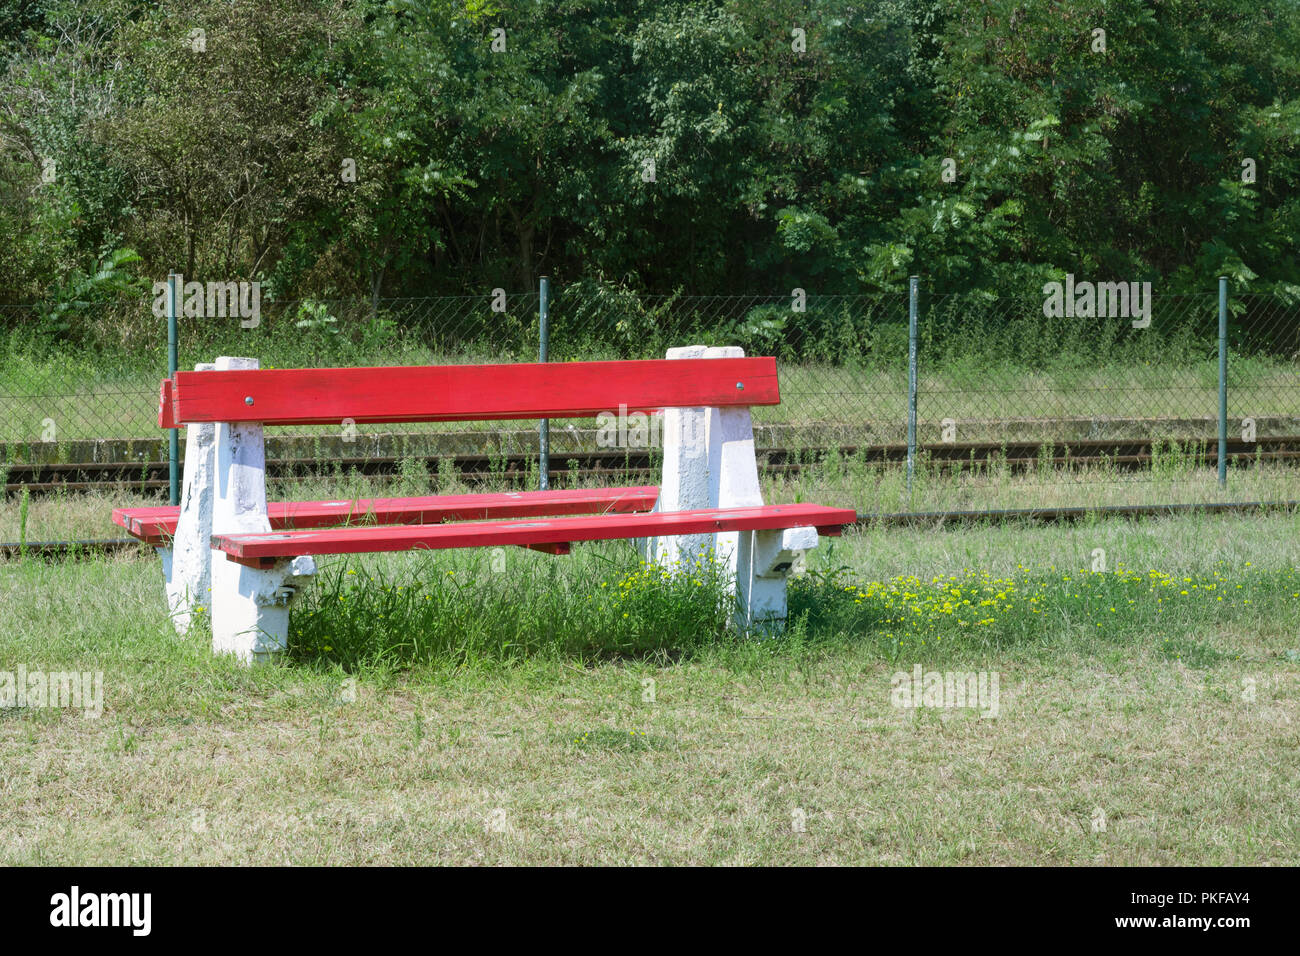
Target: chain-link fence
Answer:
pixel 1019 403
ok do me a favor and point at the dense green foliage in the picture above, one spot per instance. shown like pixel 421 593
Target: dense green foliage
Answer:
pixel 774 167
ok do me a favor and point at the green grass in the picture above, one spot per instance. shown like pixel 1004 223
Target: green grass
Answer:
pixel 510 716
pixel 499 605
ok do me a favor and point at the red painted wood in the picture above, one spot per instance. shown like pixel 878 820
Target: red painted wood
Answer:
pixel 556 548
pixel 449 393
pixel 254 549
pixel 165 419
pixel 155 524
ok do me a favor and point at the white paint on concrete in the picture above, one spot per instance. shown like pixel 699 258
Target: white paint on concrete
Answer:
pixel 187 564
pixel 685 485
pixel 710 462
pixel 250 606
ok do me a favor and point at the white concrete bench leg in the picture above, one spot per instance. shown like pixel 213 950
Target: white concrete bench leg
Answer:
pixel 709 462
pixel 250 607
pixel 685 483
pixel 187 563
pixel 764 562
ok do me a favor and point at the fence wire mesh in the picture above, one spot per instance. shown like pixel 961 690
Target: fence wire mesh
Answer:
pixel 1015 408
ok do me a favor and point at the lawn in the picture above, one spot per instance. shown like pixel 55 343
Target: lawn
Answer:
pixel 506 711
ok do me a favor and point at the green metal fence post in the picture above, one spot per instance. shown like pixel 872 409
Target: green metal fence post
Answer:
pixel 174 434
pixel 543 341
pixel 912 290
pixel 1223 380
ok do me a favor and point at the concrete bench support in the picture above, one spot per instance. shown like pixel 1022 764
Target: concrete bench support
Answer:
pixel 709 462
pixel 187 562
pixel 250 606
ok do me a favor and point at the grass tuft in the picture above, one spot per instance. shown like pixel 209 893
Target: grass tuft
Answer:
pixel 465 614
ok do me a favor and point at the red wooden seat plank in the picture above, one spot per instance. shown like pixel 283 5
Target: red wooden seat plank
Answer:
pixel 154 524
pixel 259 550
pixel 464 392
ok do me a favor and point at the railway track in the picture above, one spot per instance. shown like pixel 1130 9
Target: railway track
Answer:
pixel 1124 454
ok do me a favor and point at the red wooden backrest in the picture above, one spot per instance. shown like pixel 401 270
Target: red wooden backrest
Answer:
pixel 451 393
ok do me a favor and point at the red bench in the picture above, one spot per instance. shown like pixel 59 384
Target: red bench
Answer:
pixel 709 498
pixel 554 536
